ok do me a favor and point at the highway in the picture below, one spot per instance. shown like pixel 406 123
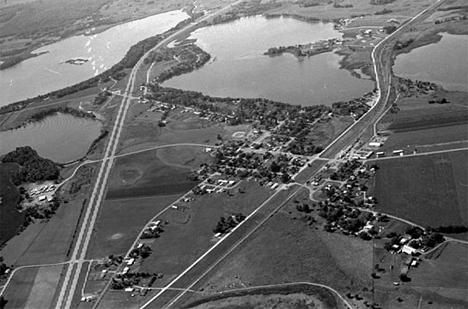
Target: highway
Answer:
pixel 382 65
pixel 70 280
pixel 381 58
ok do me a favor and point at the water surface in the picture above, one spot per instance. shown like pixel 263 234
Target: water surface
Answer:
pixel 49 72
pixel 444 63
pixel 239 68
pixel 61 138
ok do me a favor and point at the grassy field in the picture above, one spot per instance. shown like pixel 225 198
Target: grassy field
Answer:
pixel 287 250
pixel 446 267
pixel 44 287
pixel 189 231
pixel 325 132
pixel 401 10
pixel 20 287
pixel 56 236
pixel 440 279
pixel 410 139
pixel 294 297
pixel 120 221
pixel 428 190
pixel 142 130
pixel 184 156
pixel 143 174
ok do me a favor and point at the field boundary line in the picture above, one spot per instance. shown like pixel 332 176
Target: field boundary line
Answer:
pixel 288 284
pixel 417 154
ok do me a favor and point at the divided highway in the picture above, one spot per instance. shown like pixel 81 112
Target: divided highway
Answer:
pixel 70 280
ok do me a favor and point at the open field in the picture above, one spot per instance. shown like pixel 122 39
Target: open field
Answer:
pixel 439 279
pixel 142 131
pixel 287 250
pixel 429 190
pixel 189 231
pixel 287 297
pixel 44 286
pixel 409 140
pixel 20 287
pixel 325 132
pixel 184 156
pixel 143 174
pixel 56 236
pixel 402 10
pixel 120 221
pixel 447 267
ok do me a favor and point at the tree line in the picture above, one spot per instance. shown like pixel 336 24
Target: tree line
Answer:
pixel 33 167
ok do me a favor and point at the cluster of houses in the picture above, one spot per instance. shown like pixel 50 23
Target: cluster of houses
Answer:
pixel 43 190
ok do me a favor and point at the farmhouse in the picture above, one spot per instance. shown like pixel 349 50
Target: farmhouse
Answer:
pixel 408 250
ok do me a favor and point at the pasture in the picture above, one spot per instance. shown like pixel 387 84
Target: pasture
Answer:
pixel 20 287
pixel 187 235
pixel 44 287
pixel 286 249
pixel 293 296
pixel 120 221
pixel 143 174
pixel 56 236
pixel 426 137
pixel 428 190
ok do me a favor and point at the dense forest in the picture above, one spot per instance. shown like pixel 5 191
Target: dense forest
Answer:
pixel 33 167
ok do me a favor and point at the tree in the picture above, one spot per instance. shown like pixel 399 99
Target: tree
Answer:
pixel 285 178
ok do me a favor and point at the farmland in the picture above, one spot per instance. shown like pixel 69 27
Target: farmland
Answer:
pixel 143 131
pixel 439 279
pixel 189 231
pixel 20 287
pixel 143 174
pixel 120 221
pixel 428 190
pixel 286 296
pixel 286 249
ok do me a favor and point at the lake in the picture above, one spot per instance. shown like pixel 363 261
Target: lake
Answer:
pixel 95 52
pixel 239 69
pixel 61 137
pixel 444 63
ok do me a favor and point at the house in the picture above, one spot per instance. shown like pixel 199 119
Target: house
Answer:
pixel 375 144
pixel 42 198
pixel 408 250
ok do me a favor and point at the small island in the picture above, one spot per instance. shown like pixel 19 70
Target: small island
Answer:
pixel 77 61
pixel 306 50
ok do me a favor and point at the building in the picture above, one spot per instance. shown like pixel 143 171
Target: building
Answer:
pixel 408 250
pixel 375 144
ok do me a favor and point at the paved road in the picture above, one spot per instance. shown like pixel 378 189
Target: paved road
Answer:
pixel 382 67
pixel 383 76
pixel 70 282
